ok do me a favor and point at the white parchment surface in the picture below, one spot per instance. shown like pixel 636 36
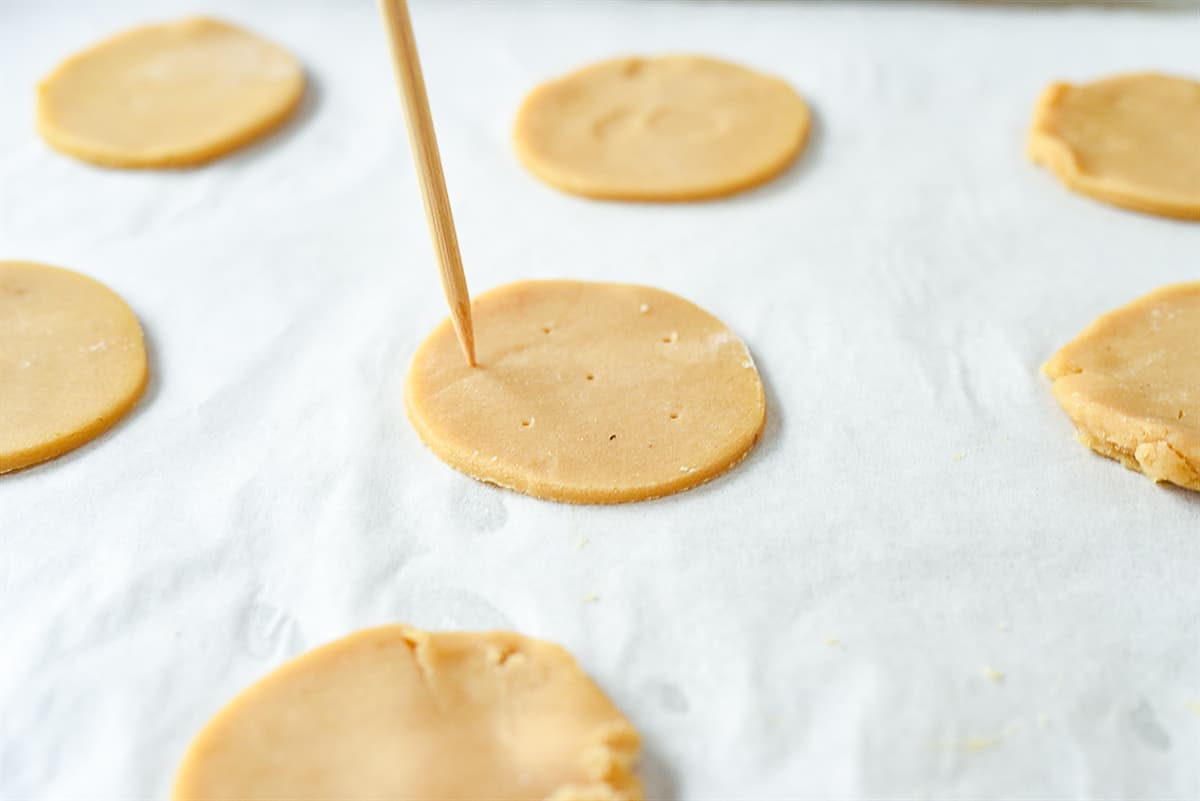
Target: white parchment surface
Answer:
pixel 919 585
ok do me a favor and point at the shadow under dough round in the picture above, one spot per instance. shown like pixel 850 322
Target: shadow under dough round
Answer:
pixel 671 128
pixel 1132 141
pixel 394 712
pixel 588 393
pixel 72 362
pixel 1129 382
pixel 174 94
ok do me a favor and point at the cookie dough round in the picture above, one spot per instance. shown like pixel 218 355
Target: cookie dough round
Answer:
pixel 588 393
pixel 668 128
pixel 1131 141
pixel 1131 384
pixel 168 95
pixel 397 713
pixel 72 362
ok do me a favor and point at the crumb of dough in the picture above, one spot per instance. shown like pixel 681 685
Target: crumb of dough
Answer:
pixel 976 744
pixel 985 742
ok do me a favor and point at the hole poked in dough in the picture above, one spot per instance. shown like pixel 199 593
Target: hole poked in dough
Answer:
pixel 471 417
pixel 174 94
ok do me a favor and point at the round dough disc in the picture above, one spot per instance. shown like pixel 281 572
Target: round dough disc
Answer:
pixel 169 95
pixel 72 362
pixel 667 128
pixel 397 713
pixel 1131 141
pixel 1131 384
pixel 588 393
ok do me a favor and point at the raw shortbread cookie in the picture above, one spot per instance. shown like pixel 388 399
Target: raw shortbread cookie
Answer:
pixel 396 713
pixel 588 393
pixel 168 95
pixel 1131 383
pixel 72 362
pixel 1132 140
pixel 667 128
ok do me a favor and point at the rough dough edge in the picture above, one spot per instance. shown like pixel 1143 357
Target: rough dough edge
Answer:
pixel 1155 457
pixel 1133 454
pixel 620 748
pixel 556 180
pixel 33 456
pixel 195 157
pixel 1046 148
pixel 562 494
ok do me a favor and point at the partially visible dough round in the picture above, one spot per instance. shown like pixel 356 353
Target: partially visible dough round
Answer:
pixel 396 713
pixel 72 362
pixel 1131 384
pixel 1132 141
pixel 588 393
pixel 168 95
pixel 666 128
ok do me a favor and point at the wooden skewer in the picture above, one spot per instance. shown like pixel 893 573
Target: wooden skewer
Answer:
pixel 423 140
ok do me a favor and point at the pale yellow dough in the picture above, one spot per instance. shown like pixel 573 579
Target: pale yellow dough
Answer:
pixel 666 128
pixel 404 715
pixel 1131 384
pixel 588 393
pixel 168 95
pixel 72 362
pixel 1132 141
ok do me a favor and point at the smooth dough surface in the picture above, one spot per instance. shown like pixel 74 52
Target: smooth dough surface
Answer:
pixel 400 714
pixel 1131 141
pixel 168 95
pixel 72 362
pixel 666 128
pixel 588 393
pixel 1131 384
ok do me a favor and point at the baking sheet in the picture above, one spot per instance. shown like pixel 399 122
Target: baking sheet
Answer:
pixel 819 623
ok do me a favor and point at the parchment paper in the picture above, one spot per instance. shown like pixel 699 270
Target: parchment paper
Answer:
pixel 830 620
